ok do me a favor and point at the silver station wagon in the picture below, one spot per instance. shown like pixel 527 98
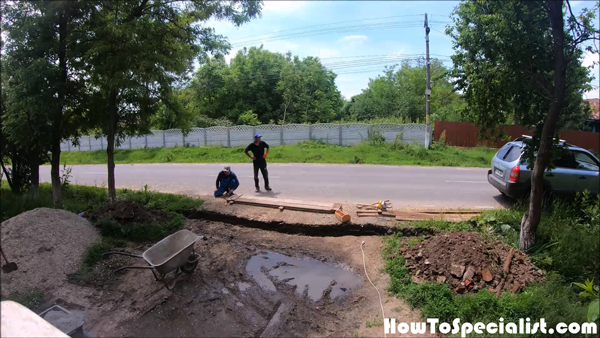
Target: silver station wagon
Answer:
pixel 575 170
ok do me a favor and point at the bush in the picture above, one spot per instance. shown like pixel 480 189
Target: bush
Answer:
pixel 140 231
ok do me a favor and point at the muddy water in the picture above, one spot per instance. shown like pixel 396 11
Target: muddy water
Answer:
pixel 310 277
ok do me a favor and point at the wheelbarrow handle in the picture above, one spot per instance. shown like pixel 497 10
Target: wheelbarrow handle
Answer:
pixel 120 253
pixel 132 267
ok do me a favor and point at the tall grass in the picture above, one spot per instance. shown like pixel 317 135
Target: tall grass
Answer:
pixel 391 153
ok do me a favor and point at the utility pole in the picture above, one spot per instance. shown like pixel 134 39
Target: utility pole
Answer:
pixel 428 85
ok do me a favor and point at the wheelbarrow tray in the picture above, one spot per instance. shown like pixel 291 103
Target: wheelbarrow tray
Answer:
pixel 172 252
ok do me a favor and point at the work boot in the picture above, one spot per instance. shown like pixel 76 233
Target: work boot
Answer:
pixel 267 188
pixel 257 189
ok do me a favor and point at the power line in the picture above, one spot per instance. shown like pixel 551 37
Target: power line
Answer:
pixel 342 29
pixel 326 24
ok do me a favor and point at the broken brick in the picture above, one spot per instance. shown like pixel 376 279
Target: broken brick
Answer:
pixel 460 289
pixel 468 282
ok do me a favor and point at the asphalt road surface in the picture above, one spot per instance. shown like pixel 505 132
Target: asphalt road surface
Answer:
pixel 405 186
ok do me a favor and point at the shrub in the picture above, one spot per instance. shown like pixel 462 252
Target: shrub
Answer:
pixel 140 231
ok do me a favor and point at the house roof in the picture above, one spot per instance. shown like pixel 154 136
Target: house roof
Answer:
pixel 595 105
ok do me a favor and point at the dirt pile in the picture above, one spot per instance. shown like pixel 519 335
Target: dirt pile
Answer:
pixel 127 212
pixel 47 244
pixel 468 263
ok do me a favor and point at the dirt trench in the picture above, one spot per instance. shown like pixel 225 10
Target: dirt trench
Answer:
pixel 250 282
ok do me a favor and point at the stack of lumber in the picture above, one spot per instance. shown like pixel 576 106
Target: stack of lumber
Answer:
pixel 283 204
pixel 449 215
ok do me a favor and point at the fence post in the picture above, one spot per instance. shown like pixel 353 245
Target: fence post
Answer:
pixel 183 137
pixel 164 139
pixel 205 143
pixel 370 133
pixel 68 145
pixel 340 128
pixel 101 142
pixel 228 137
pixel 281 135
pixel 146 140
pixel 253 131
pixel 130 142
pixel 310 132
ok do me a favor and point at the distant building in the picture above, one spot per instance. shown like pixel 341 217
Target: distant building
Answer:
pixel 593 123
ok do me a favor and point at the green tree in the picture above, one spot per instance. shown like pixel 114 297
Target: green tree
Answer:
pixel 517 58
pixel 140 49
pixel 401 94
pixel 44 48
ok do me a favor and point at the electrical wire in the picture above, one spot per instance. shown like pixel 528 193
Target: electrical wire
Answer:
pixel 327 24
pixel 342 29
pixel 366 274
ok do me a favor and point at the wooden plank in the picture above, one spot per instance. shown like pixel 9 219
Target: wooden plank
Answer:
pixel 290 206
pixel 284 200
pixel 449 211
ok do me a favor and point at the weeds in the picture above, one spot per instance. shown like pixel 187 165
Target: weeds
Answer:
pixel 140 231
pixel 31 299
pixel 79 198
pixel 554 301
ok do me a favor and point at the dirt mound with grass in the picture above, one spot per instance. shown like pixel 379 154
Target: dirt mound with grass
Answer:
pixel 128 212
pixel 47 244
pixel 469 263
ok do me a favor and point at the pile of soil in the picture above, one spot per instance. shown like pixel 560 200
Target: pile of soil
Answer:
pixel 468 263
pixel 127 212
pixel 47 244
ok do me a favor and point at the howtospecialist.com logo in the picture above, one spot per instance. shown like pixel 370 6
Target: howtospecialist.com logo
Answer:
pixel 524 326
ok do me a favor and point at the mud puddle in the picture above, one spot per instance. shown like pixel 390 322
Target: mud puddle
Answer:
pixel 309 277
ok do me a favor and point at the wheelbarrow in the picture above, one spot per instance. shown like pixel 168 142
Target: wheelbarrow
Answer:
pixel 173 253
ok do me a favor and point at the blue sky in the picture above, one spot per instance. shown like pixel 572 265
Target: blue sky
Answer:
pixel 355 53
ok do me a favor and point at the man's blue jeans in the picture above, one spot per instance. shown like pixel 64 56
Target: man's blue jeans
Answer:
pixel 225 185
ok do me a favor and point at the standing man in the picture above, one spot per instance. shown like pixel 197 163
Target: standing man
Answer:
pixel 259 151
pixel 227 182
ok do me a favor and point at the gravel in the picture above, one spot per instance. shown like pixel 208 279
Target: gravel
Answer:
pixel 47 244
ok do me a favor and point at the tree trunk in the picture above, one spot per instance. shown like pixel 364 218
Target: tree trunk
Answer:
pixel 35 180
pixel 529 228
pixel 110 144
pixel 57 127
pixel 7 174
pixel 55 175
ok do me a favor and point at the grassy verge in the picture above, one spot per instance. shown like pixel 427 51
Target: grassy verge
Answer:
pixel 79 198
pixel 567 250
pixel 306 152
pixel 31 299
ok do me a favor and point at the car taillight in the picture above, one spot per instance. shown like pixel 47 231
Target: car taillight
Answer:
pixel 514 174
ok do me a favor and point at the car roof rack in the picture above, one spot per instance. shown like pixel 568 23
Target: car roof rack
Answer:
pixel 523 137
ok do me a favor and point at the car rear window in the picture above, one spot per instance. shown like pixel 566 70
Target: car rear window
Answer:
pixel 509 153
pixel 502 152
pixel 513 154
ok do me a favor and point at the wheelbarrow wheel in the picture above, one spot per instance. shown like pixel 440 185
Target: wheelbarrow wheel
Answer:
pixel 191 264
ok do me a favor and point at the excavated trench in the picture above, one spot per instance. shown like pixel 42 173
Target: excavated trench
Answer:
pixel 320 230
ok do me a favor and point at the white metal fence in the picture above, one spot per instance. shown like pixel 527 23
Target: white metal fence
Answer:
pixel 274 135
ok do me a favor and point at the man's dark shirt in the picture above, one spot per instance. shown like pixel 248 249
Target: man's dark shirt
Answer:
pixel 258 151
pixel 222 176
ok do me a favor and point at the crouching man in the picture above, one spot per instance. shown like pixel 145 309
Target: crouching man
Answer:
pixel 227 182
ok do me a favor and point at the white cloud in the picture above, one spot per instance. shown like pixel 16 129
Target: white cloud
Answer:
pixel 354 38
pixel 283 6
pixel 326 53
pixel 589 58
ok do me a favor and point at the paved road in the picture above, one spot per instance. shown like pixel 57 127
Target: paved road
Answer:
pixel 403 185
